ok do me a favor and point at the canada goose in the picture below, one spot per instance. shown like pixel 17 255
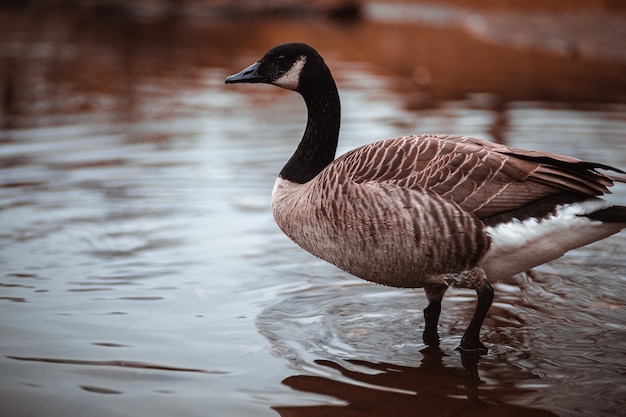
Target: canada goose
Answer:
pixel 427 211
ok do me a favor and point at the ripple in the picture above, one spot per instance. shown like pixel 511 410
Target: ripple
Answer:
pixel 14 299
pixel 116 363
pixel 109 344
pixel 99 390
pixel 141 298
pixel 24 275
pixel 89 289
pixel 15 285
pixel 133 245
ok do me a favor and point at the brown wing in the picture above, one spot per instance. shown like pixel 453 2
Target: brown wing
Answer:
pixel 482 177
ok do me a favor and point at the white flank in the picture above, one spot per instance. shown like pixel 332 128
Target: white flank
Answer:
pixel 291 79
pixel 518 246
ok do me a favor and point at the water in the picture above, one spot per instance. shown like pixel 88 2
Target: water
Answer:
pixel 142 272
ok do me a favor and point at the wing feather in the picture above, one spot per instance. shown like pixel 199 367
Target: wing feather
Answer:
pixel 482 177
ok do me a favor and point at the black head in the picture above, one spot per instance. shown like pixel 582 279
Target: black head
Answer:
pixel 284 66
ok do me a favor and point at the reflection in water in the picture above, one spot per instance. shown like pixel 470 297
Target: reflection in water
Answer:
pixel 542 332
pixel 383 389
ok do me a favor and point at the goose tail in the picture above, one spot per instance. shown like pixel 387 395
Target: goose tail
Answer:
pixel 613 214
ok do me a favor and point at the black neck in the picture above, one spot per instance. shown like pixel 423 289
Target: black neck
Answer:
pixel 319 142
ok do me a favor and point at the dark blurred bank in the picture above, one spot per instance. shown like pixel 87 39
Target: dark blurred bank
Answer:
pixel 59 58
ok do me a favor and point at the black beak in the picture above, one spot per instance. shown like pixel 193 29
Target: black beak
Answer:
pixel 248 75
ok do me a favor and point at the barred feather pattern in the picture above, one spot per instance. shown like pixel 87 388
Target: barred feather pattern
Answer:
pixel 482 177
pixel 384 234
pixel 407 212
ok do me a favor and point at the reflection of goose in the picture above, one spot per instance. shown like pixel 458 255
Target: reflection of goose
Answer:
pixel 427 211
pixel 432 389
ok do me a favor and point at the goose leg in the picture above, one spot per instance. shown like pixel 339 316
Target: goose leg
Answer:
pixel 471 339
pixel 431 313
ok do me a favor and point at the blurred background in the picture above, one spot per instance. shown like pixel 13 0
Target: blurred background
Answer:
pixel 140 267
pixel 61 57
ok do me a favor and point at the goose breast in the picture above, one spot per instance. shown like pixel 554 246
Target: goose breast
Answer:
pixel 378 230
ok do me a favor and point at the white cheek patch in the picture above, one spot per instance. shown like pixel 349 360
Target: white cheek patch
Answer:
pixel 291 79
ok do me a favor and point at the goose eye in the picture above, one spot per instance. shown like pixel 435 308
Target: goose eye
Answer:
pixel 281 57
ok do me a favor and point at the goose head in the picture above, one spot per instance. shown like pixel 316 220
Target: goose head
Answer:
pixel 289 66
pixel 298 67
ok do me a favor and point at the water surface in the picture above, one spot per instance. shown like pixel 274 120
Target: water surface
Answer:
pixel 142 272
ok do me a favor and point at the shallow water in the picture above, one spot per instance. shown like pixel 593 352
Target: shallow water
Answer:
pixel 142 272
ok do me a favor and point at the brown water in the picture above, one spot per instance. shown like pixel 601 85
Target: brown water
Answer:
pixel 142 272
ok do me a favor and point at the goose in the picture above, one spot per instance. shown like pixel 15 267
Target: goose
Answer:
pixel 427 211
